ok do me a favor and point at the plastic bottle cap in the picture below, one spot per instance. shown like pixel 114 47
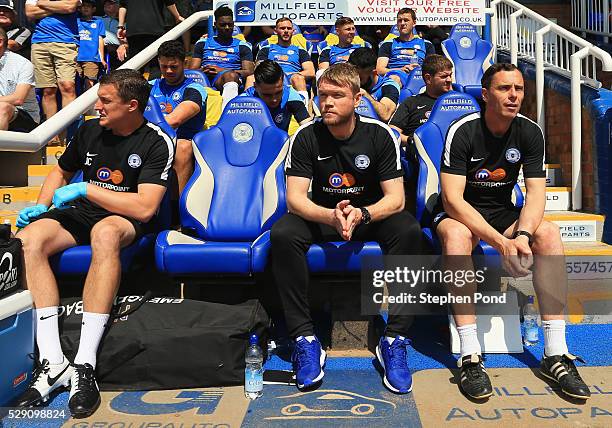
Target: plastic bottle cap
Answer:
pixel 253 339
pixel 530 299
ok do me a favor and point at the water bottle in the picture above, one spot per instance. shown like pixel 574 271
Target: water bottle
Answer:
pixel 530 323
pixel 253 371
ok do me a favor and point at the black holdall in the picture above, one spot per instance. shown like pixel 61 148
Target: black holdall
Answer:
pixel 169 343
pixel 11 269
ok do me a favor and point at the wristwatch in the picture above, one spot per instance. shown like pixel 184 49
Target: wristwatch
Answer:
pixel 366 218
pixel 121 27
pixel 525 233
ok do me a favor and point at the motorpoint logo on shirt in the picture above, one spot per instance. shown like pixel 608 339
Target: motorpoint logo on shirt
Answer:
pixel 407 51
pixel 165 107
pixel 105 174
pixel 220 53
pixel 485 175
pixel 281 57
pixel 337 180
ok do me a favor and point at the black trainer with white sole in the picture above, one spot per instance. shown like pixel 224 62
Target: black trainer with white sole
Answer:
pixel 562 370
pixel 46 378
pixel 474 380
pixel 84 393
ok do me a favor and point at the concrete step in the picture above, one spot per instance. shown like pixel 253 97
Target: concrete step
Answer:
pixel 553 176
pixel 38 173
pixel 16 198
pixel 557 198
pixel 577 226
pixel 54 153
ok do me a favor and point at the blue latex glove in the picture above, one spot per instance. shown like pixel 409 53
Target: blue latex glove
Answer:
pixel 69 193
pixel 23 219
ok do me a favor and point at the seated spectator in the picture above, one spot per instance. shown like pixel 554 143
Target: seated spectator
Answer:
pixel 294 60
pixel 400 55
pixel 18 106
pixel 226 60
pixel 382 92
pixel 183 103
pixel 18 37
pixel 437 71
pixel 282 100
pixel 125 163
pixel 91 47
pixel 116 49
pixel 470 209
pixel 435 34
pixel 322 149
pixel 340 51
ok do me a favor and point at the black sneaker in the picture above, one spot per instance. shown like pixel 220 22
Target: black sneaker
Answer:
pixel 84 392
pixel 562 370
pixel 45 379
pixel 474 380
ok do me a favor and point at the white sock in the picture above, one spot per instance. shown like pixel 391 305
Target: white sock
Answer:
pixel 310 339
pixel 390 339
pixel 554 338
pixel 92 330
pixel 230 90
pixel 47 335
pixel 468 338
pixel 304 95
pixel 319 73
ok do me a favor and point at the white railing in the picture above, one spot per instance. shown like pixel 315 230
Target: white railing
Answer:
pixel 533 38
pixel 592 17
pixel 36 140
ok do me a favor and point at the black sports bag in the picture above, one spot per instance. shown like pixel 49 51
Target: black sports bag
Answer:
pixel 169 343
pixel 11 269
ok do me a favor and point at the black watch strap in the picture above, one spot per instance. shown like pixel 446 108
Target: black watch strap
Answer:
pixel 524 233
pixel 365 215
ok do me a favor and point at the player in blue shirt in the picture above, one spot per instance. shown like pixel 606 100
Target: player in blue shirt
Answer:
pixel 382 92
pixel 294 60
pixel 339 52
pixel 91 44
pixel 183 103
pixel 226 60
pixel 398 56
pixel 282 100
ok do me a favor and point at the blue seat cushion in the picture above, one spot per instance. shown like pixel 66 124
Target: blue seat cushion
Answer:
pixel 344 256
pixel 76 260
pixel 180 254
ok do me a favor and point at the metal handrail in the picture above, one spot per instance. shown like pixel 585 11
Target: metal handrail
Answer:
pixel 37 138
pixel 592 17
pixel 549 46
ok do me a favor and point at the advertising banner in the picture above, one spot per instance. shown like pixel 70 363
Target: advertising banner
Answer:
pixel 363 12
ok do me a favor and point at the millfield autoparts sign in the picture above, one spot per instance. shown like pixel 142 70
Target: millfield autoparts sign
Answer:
pixel 363 12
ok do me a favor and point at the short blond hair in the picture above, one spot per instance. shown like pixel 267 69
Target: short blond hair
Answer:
pixel 342 74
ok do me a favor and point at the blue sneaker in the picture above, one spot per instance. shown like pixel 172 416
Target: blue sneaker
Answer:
pixel 308 360
pixel 392 358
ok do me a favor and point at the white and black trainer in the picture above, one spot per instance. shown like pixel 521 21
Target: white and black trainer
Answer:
pixel 45 379
pixel 84 392
pixel 474 380
pixel 562 370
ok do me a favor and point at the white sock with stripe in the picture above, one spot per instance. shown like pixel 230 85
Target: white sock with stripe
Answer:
pixel 92 330
pixel 47 335
pixel 468 339
pixel 554 338
pixel 230 91
pixel 304 95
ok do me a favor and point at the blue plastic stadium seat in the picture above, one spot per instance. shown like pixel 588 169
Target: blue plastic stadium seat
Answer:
pixel 413 85
pixel 198 76
pixel 429 140
pixel 470 55
pixel 235 194
pixel 76 260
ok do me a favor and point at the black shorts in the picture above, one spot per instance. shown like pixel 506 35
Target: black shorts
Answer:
pixel 22 122
pixel 80 223
pixel 500 218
